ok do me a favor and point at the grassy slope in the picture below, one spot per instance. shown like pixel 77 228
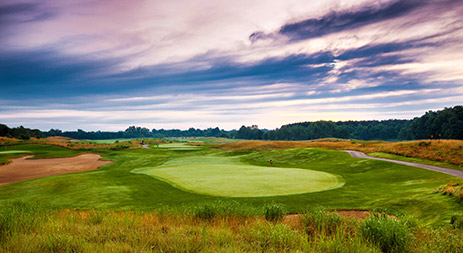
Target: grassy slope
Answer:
pixel 447 151
pixel 369 184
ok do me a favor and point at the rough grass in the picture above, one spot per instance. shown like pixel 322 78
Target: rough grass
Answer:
pixel 170 231
pixel 448 151
pixel 79 145
pixel 453 188
pixel 5 140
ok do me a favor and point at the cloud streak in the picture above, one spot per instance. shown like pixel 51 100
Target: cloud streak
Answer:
pixel 80 64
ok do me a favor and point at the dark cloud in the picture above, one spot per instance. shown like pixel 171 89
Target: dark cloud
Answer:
pixel 19 8
pixel 337 21
pixel 36 72
pixel 293 68
pixel 23 13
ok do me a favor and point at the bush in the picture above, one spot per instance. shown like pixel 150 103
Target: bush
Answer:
pixel 274 212
pixel 389 234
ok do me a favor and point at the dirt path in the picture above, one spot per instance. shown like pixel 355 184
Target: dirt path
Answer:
pixel 452 172
pixel 22 168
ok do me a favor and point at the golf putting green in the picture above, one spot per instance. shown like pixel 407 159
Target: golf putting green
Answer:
pixel 228 177
pixel 178 146
pixel 14 151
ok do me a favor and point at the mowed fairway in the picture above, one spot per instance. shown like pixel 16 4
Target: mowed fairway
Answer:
pixel 225 176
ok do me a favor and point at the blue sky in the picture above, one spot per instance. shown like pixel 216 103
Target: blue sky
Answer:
pixel 105 65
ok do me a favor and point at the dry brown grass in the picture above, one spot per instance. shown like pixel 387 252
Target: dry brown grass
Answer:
pixel 450 151
pixel 453 188
pixel 74 145
pixel 6 139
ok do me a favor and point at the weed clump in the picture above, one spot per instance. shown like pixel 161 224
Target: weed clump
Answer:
pixel 318 220
pixel 389 234
pixel 453 188
pixel 224 209
pixel 274 212
pixel 205 212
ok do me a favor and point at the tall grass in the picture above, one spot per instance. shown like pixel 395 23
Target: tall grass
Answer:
pixel 318 221
pixel 274 212
pixel 29 228
pixel 18 217
pixel 388 233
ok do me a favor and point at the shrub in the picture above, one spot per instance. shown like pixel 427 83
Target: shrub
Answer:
pixel 388 233
pixel 273 212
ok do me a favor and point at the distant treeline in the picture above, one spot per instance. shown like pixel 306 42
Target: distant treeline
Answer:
pixel 444 124
pixel 20 132
pixel 141 132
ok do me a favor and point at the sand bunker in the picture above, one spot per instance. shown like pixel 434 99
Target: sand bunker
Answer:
pixel 23 168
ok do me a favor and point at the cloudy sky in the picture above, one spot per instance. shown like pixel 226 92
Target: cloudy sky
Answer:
pixel 105 65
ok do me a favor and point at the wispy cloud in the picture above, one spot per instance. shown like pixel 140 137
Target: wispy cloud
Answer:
pixel 169 64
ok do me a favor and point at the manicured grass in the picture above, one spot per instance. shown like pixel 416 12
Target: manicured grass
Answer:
pixel 39 151
pixel 14 152
pixel 227 176
pixel 178 146
pixel 109 141
pixel 369 184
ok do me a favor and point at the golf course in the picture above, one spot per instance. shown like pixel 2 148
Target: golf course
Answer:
pixel 222 181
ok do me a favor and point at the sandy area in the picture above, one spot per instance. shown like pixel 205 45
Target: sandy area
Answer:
pixel 23 168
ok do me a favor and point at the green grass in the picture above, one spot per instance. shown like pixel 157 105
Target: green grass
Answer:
pixel 369 184
pixel 227 176
pixel 213 227
pixel 108 141
pixel 416 160
pixel 14 152
pixel 178 146
pixel 39 151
